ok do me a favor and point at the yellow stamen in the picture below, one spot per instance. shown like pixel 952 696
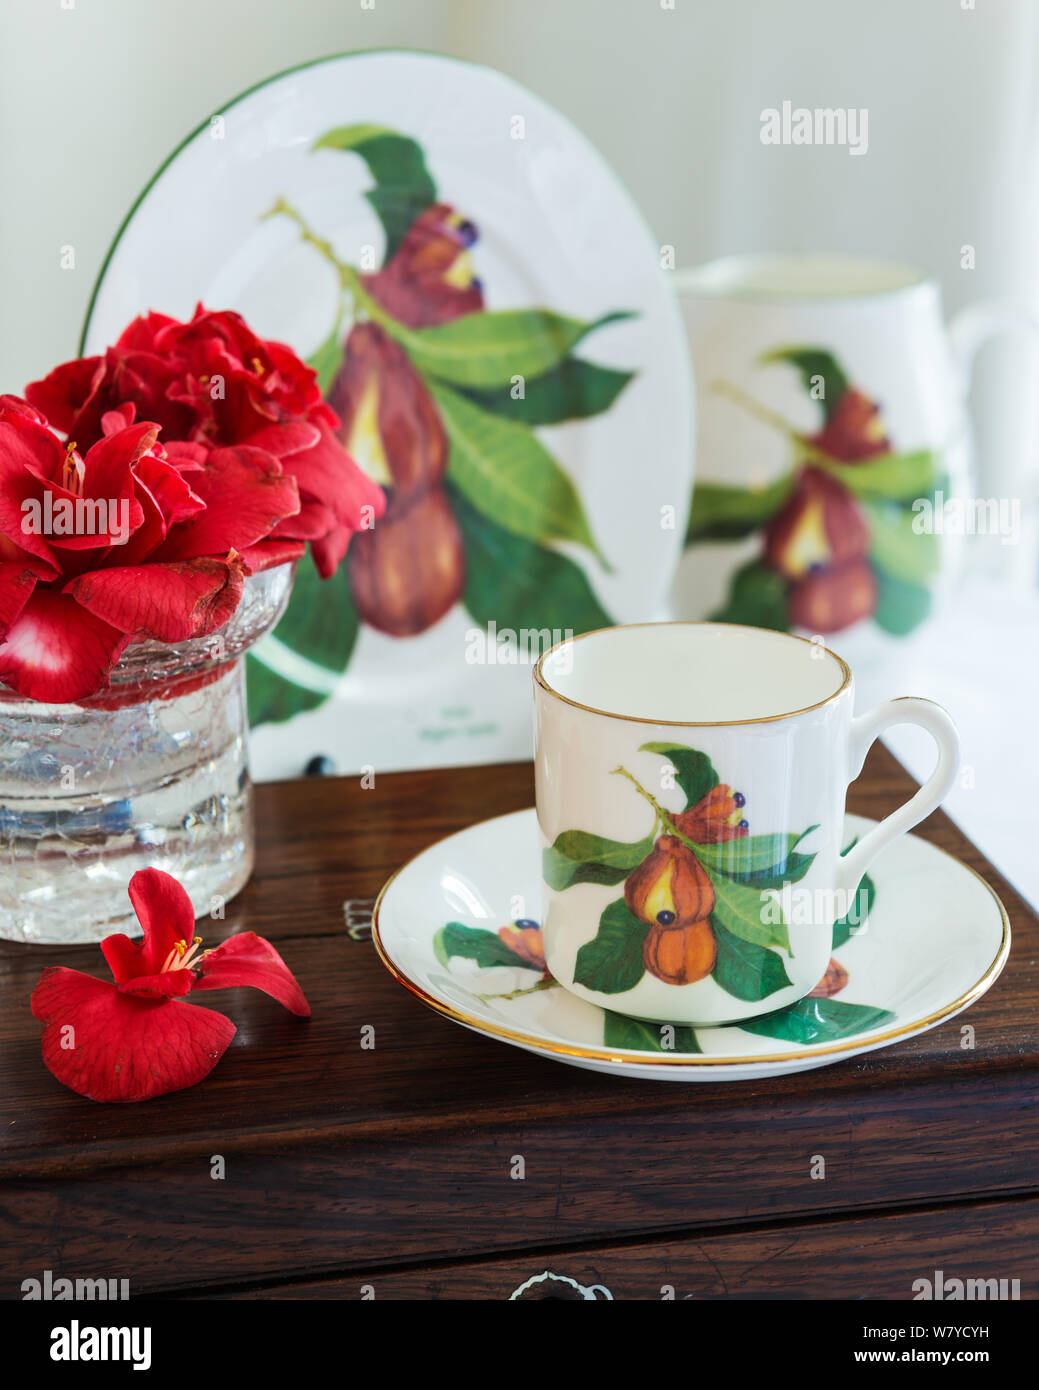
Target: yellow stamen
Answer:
pixel 72 470
pixel 183 957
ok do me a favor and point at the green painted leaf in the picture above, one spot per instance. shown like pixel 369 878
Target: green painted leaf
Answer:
pixel 508 474
pixel 743 911
pixel 901 607
pixel 637 1035
pixel 889 477
pixel 320 624
pixel 272 699
pixel 328 358
pixel 493 348
pixel 574 390
pixel 484 947
pixel 727 513
pixel 745 970
pixel 897 548
pixel 612 962
pixel 814 363
pixel 852 921
pixel 763 861
pixel 694 772
pixel 520 585
pixel 577 857
pixel 817 1020
pixel 757 598
pixel 403 186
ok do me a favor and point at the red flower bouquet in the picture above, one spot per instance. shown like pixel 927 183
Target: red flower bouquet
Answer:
pixel 152 499
pixel 138 488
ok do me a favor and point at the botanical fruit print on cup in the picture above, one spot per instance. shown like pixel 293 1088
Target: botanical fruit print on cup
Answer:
pixel 692 894
pixel 838 543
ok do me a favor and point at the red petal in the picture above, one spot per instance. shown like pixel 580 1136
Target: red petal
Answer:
pixel 314 521
pixel 62 394
pixel 185 455
pixel 27 452
pixel 56 651
pixel 16 585
pixel 247 959
pixel 163 986
pixel 114 1047
pixel 328 552
pixel 266 554
pixel 143 331
pixel 328 474
pixel 245 493
pixel 281 440
pixel 166 916
pixel 171 490
pixel 15 405
pixel 107 464
pixel 118 419
pixel 170 602
pixel 148 536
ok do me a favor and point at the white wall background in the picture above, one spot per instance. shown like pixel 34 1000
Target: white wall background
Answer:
pixel 95 93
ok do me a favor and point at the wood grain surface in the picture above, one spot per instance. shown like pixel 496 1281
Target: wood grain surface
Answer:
pixel 859 1257
pixel 339 1158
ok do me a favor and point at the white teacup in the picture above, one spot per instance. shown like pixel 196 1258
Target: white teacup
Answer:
pixel 691 781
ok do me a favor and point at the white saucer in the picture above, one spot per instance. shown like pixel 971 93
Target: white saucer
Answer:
pixel 935 940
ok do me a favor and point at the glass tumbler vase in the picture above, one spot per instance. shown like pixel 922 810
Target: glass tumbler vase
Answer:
pixel 152 772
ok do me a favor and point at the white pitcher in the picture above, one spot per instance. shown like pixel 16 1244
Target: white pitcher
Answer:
pixel 832 479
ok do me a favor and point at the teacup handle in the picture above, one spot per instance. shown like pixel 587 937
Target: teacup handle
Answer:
pixel 865 729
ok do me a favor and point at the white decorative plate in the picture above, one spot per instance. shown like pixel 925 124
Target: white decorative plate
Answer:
pixel 569 498
pixel 935 939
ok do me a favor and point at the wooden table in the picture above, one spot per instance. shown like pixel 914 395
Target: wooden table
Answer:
pixel 348 1167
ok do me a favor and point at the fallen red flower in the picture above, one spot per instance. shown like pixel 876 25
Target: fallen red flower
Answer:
pixel 138 1038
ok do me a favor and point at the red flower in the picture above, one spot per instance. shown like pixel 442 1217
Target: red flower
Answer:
pixel 137 1038
pixel 211 383
pixel 430 280
pixel 120 542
